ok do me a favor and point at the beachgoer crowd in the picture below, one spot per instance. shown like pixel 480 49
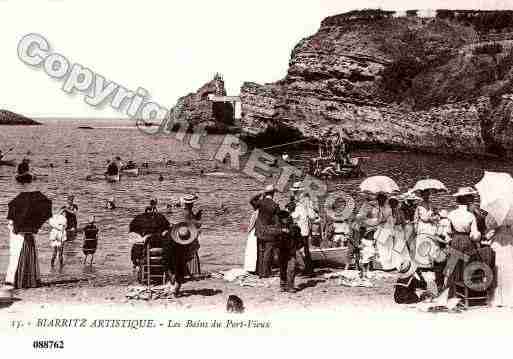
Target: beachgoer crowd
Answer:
pixel 429 247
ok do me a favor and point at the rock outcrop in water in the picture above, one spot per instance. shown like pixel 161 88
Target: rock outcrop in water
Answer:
pixel 11 118
pixel 196 108
pixel 427 84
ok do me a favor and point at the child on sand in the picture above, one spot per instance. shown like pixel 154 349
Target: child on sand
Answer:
pixel 409 280
pixel 90 239
pixel 57 236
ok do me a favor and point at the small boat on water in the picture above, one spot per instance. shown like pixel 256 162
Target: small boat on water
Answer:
pixel 85 128
pixel 25 178
pixel 112 178
pixel 10 163
pixel 326 257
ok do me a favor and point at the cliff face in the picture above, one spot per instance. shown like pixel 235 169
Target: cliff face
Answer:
pixel 196 108
pixel 11 118
pixel 410 82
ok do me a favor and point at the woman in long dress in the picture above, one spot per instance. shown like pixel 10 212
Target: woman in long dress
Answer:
pixel 425 221
pixel 427 248
pixel 384 234
pixel 367 221
pixel 501 238
pixel 251 252
pixel 23 269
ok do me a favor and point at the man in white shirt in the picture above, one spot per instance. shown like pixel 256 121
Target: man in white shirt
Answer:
pixel 303 215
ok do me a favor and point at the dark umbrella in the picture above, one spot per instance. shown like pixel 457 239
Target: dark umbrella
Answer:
pixel 149 223
pixel 28 211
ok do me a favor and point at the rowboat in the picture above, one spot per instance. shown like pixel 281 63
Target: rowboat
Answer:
pixel 112 178
pixel 25 177
pixel 10 163
pixel 130 171
pixel 338 257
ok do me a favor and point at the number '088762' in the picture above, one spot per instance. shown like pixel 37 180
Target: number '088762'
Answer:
pixel 48 344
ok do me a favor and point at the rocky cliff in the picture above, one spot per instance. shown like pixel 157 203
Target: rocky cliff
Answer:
pixel 418 83
pixel 11 118
pixel 196 108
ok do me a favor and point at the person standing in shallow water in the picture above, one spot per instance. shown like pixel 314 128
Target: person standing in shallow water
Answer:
pixel 58 235
pixel 90 239
pixel 70 211
pixel 192 256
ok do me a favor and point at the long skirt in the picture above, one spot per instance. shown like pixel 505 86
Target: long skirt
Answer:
pixel 193 264
pixel 400 251
pixel 426 250
pixel 192 258
pixel 503 247
pixel 462 246
pixel 250 255
pixel 384 248
pixel 23 269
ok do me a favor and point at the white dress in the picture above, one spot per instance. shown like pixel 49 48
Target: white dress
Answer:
pixel 15 246
pixel 503 247
pixel 250 255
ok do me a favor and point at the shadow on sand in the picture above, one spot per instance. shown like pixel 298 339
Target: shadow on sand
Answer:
pixel 310 283
pixel 205 292
pixel 7 303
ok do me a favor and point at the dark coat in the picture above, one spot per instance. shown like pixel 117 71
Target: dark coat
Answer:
pixel 405 289
pixel 267 226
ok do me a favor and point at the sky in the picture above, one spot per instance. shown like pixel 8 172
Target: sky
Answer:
pixel 169 48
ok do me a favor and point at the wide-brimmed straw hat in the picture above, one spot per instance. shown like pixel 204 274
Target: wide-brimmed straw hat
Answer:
pixel 189 198
pixel 297 186
pixel 184 233
pixel 465 191
pixel 406 269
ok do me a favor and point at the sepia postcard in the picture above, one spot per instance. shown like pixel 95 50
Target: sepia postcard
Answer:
pixel 322 177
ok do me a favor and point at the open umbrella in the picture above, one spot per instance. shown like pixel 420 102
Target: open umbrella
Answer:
pixel 429 184
pixel 496 193
pixel 379 184
pixel 28 211
pixel 149 223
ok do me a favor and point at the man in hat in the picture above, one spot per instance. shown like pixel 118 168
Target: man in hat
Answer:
pixel 303 215
pixel 409 280
pixel 266 228
pixel 295 190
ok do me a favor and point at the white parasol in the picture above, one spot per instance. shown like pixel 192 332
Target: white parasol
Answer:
pixel 379 184
pixel 429 184
pixel 496 193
